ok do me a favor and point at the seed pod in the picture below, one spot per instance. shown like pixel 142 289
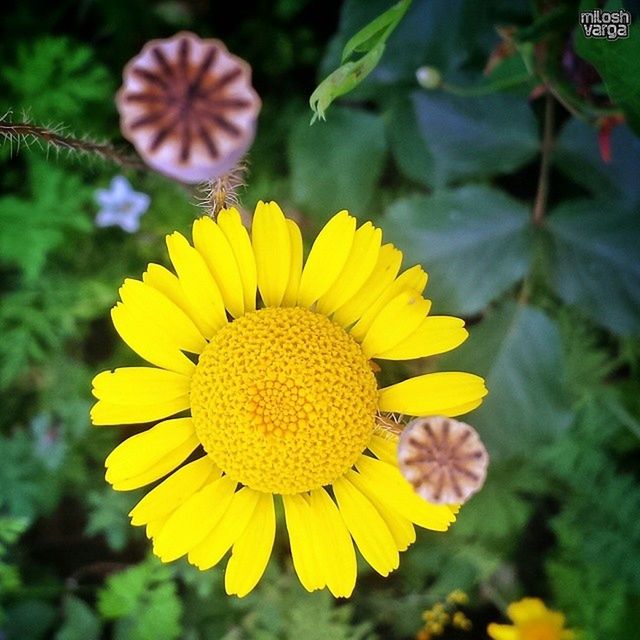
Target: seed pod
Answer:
pixel 188 107
pixel 443 459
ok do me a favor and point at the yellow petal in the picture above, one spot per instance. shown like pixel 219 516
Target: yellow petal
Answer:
pixel 108 413
pixel 400 527
pixel 334 552
pixel 235 520
pixel 360 264
pixel 527 610
pixel 400 317
pixel 371 534
pixel 432 394
pixel 230 221
pixel 387 484
pixel 154 527
pixel 414 279
pixel 214 247
pixel 172 492
pixel 140 385
pixel 161 279
pixel 154 308
pixel 327 258
pixel 295 268
pixel 252 550
pixel 385 447
pixel 149 455
pixel 194 519
pixel 384 273
pixel 197 282
pixel 299 525
pixel 272 249
pixel 149 342
pixel 503 632
pixel 435 334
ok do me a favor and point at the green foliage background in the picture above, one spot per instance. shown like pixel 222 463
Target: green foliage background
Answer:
pixel 452 175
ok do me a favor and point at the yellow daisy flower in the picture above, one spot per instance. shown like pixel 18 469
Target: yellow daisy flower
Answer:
pixel 280 394
pixel 531 621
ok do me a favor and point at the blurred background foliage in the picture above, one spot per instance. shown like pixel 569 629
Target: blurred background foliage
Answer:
pixel 512 178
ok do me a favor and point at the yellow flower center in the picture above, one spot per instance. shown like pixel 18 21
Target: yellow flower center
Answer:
pixel 283 400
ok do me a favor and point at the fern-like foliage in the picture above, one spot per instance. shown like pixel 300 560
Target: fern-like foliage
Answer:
pixel 57 79
pixel 36 320
pixel 33 227
pixel 143 601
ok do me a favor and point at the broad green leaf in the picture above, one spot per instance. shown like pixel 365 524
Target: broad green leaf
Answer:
pixel 475 242
pixel 595 261
pixel 80 621
pixel 337 166
pixel 518 351
pixel 438 139
pixel 376 31
pixel 29 619
pixel 617 63
pixel 577 155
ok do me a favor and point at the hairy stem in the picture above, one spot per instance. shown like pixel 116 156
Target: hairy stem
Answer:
pixel 27 131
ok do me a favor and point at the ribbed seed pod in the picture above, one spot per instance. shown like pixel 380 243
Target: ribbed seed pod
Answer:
pixel 188 107
pixel 443 459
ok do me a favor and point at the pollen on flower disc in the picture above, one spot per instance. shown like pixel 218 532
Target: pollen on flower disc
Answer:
pixel 283 400
pixel 188 107
pixel 444 459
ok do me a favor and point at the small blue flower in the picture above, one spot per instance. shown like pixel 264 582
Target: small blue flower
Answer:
pixel 121 206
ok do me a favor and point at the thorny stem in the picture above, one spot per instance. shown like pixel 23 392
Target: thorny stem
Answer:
pixel 540 204
pixel 106 151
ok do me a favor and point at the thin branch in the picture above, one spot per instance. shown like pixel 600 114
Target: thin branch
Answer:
pixel 27 132
pixel 540 204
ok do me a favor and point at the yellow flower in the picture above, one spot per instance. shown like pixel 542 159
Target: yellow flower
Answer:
pixel 280 394
pixel 531 621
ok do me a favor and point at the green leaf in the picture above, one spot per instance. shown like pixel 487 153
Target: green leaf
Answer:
pixel 57 78
pixel 32 228
pixel 501 509
pixel 617 63
pixel 595 261
pixel 376 31
pixel 337 166
pixel 438 139
pixel 518 351
pixel 144 601
pixel 80 621
pixel 369 40
pixel 107 509
pixel 30 619
pixel 343 80
pixel 577 155
pixel 475 242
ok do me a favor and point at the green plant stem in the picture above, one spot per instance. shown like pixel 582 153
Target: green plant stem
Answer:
pixel 27 132
pixel 540 204
pixel 485 89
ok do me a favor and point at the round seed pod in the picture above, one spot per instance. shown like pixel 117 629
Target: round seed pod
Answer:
pixel 444 459
pixel 188 107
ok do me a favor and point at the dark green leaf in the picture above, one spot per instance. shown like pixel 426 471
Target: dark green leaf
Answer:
pixel 438 139
pixel 577 155
pixel 617 63
pixel 475 243
pixel 518 351
pixel 595 260
pixel 337 165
